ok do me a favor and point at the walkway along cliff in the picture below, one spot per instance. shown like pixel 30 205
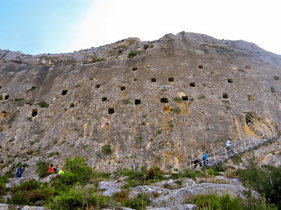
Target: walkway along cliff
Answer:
pixel 148 102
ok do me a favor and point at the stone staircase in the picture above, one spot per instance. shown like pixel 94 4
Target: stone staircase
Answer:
pixel 221 155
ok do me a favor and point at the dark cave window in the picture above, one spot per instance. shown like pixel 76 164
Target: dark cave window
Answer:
pixel 225 95
pixel 6 97
pixel 171 79
pixel 97 86
pixel 192 84
pixel 135 68
pixel 122 88
pixel 104 99
pixel 110 110
pixel 34 112
pixel 137 101
pixel 64 92
pixel 153 79
pixel 229 80
pixel 164 100
pixel 200 66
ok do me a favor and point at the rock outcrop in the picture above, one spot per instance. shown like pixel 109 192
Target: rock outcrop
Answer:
pixel 154 103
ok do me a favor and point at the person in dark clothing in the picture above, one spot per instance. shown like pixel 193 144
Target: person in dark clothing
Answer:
pixel 55 169
pixel 196 161
pixel 19 171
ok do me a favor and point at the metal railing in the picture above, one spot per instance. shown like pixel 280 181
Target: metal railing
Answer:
pixel 238 147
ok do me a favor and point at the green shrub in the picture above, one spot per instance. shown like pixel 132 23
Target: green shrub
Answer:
pixel 236 159
pixel 53 154
pixel 76 165
pixel 212 172
pixel 213 201
pixel 126 101
pixel 106 149
pixel 264 179
pixel 134 53
pixel 94 59
pixel 175 110
pixel 30 192
pixel 43 104
pixel 42 168
pixel 18 199
pixel 3 181
pixel 177 99
pixel 154 174
pixel 193 174
pixel 219 168
pixel 140 202
pixel 78 198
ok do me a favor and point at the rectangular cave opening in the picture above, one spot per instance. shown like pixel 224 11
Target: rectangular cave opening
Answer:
pixel 171 79
pixel 192 84
pixel 137 101
pixel 135 68
pixel 110 110
pixel 122 88
pixel 135 79
pixel 153 79
pixel 229 80
pixel 97 86
pixel 225 95
pixel 64 92
pixel 34 112
pixel 6 97
pixel 164 100
pixel 104 99
pixel 200 66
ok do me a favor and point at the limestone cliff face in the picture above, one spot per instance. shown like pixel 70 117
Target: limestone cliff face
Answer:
pixel 156 102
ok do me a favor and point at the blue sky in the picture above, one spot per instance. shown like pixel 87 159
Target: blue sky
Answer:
pixel 59 26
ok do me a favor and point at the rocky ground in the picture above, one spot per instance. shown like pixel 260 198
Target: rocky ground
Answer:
pixel 167 195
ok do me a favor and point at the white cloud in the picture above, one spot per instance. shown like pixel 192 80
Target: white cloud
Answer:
pixel 108 21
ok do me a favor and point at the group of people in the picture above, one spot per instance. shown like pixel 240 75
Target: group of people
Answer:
pixel 54 170
pixel 51 170
pixel 204 161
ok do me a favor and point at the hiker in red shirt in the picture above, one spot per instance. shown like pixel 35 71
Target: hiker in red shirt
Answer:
pixel 51 170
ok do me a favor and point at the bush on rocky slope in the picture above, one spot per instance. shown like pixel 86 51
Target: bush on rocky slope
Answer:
pixel 225 202
pixel 266 180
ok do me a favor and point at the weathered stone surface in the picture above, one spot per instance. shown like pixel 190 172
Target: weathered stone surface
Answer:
pixel 110 187
pixel 180 95
pixel 12 182
pixel 7 207
pixel 162 197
